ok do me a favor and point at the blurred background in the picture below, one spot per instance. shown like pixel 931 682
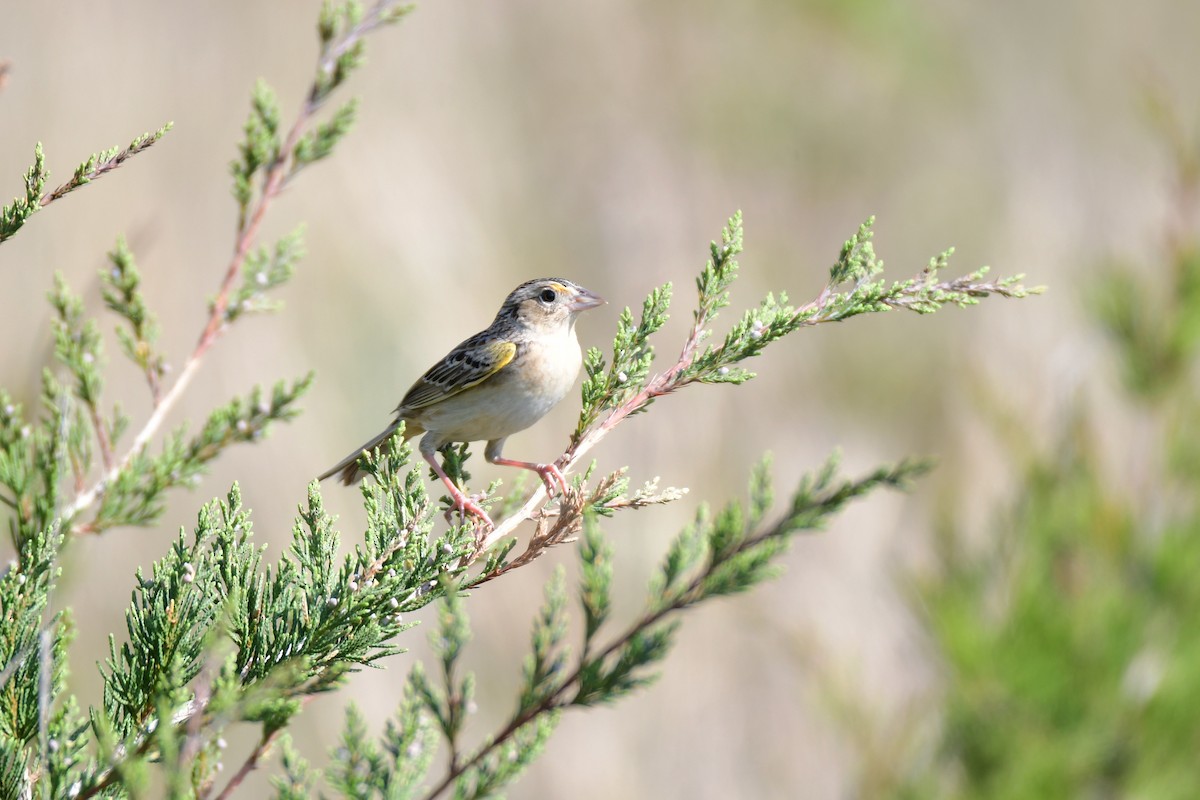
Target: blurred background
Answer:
pixel 608 143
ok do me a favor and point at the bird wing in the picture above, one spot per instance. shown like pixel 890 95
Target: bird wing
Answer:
pixel 469 364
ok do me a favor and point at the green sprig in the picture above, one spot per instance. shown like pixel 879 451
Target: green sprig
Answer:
pixel 720 272
pixel 120 287
pixel 546 664
pixel 607 386
pixel 76 342
pixel 99 163
pixel 259 148
pixel 320 141
pixel 15 214
pixel 595 584
pixel 263 271
pixel 137 493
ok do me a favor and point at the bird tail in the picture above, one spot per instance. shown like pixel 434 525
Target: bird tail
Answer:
pixel 347 469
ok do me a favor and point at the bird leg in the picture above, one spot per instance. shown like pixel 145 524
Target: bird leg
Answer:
pixel 463 503
pixel 549 473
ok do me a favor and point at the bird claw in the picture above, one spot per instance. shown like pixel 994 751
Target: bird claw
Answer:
pixel 551 476
pixel 465 505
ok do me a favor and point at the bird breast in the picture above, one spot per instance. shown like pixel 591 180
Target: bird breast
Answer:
pixel 517 396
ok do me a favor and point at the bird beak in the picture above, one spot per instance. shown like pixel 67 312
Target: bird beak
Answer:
pixel 585 300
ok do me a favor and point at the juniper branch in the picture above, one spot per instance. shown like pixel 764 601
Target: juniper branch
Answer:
pixel 626 388
pixel 334 65
pixel 735 557
pixel 104 162
pixel 121 291
pixel 15 214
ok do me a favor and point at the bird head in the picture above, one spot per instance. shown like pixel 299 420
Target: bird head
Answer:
pixel 548 303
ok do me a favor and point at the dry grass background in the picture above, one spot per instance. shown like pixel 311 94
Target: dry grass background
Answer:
pixel 607 142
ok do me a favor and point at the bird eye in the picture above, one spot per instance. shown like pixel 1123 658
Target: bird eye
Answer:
pixel 548 295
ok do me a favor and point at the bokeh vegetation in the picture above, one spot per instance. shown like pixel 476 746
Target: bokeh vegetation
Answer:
pixel 1068 635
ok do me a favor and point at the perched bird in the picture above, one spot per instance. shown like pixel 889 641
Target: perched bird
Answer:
pixel 500 381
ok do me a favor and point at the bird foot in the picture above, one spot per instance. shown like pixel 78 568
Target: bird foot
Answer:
pixel 551 476
pixel 467 505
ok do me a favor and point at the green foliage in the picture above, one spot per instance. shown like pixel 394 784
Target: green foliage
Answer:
pixel 76 342
pixel 24 591
pixel 168 625
pixel 213 635
pixel 272 156
pixel 337 63
pixel 357 763
pixel 1155 327
pixel 852 290
pixel 320 141
pixel 607 386
pixel 35 453
pixel 503 763
pixel 546 663
pixel 1091 655
pixel 731 551
pixel 595 584
pixel 624 387
pixel 13 215
pixel 99 163
pixel 33 666
pixel 394 770
pixel 136 494
pixel 296 783
pixel 120 287
pixel 16 213
pixel 35 458
pixel 259 149
pixel 448 704
pixel 1070 637
pixel 857 265
pixel 294 629
pixel 265 270
pixel 339 29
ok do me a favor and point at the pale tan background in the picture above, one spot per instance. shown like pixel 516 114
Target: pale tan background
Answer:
pixel 608 142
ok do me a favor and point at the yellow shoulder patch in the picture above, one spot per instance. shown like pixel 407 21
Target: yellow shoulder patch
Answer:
pixel 497 355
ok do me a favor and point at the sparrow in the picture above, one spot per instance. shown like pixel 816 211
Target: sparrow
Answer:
pixel 499 381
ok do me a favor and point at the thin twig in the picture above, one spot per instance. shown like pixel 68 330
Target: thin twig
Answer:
pixel 250 764
pixel 45 688
pixel 152 380
pixel 157 417
pixel 102 441
pixel 103 167
pixel 192 728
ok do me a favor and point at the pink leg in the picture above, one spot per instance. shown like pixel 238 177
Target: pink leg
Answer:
pixel 549 473
pixel 461 501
